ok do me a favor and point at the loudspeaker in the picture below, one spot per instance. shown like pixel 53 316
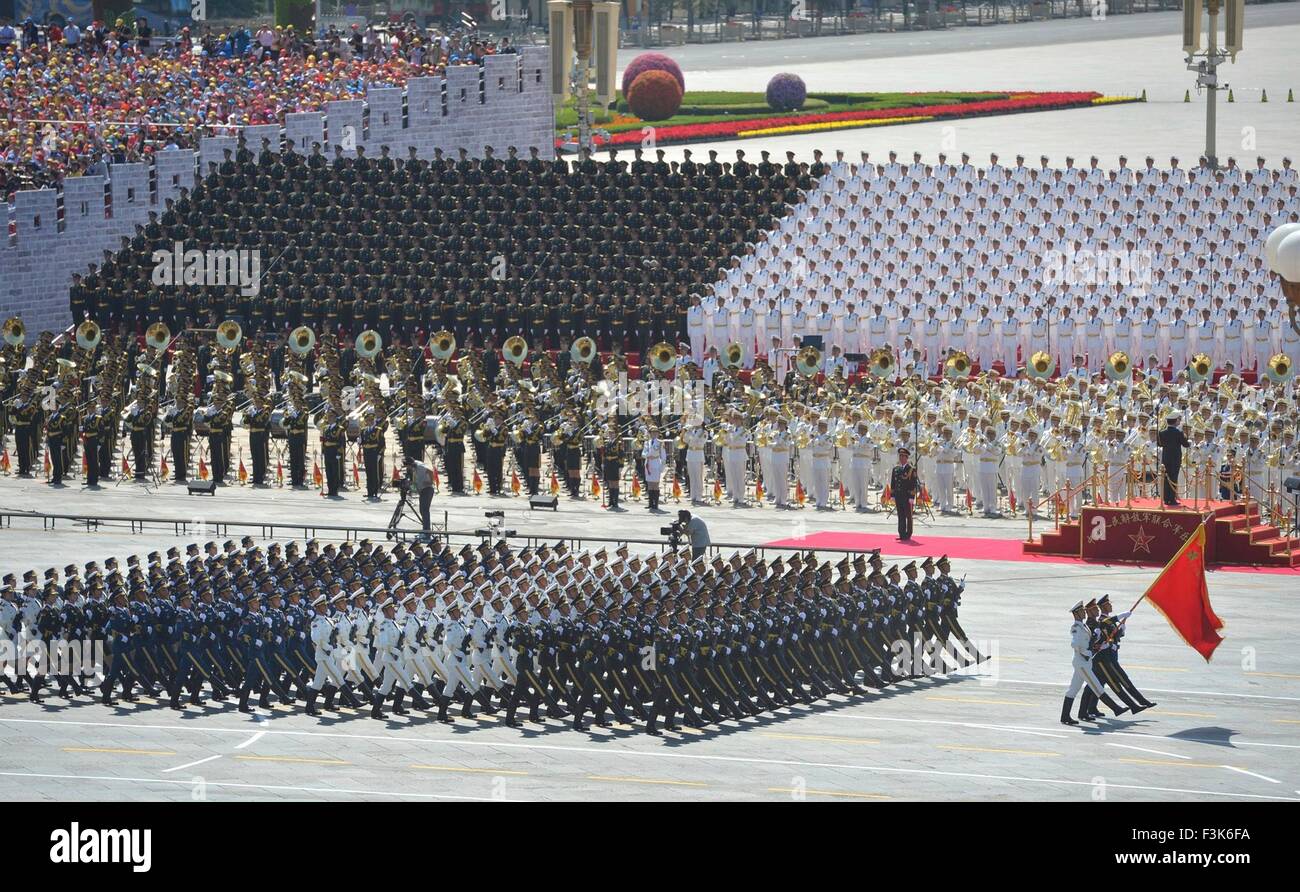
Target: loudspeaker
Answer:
pixel 541 501
pixel 1292 484
pixel 604 51
pixel 560 15
pixel 200 487
pixel 813 341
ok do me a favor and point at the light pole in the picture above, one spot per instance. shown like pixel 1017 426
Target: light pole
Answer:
pixel 1207 69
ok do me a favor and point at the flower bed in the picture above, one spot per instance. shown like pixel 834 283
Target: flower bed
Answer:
pixel 770 125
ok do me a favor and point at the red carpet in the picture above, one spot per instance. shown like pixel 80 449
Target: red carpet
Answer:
pixel 968 548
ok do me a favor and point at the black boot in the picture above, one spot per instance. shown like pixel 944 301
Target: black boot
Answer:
pixel 311 702
pixel 465 707
pixel 350 697
pixel 34 694
pixel 377 707
pixel 330 692
pixel 243 699
pixel 416 700
pixel 175 702
pixel 443 703
pixel 1112 705
pixel 1065 712
pixel 398 708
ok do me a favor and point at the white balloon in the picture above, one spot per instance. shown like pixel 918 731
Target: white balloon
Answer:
pixel 1274 239
pixel 1288 257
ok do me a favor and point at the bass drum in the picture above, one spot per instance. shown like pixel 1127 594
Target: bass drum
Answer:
pixel 277 426
pixel 431 428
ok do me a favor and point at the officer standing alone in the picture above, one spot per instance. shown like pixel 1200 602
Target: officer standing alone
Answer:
pixel 903 486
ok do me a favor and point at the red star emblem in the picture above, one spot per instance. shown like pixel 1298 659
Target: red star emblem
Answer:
pixel 1193 555
pixel 1141 541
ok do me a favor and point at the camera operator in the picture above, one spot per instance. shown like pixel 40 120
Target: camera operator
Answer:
pixel 421 476
pixel 695 530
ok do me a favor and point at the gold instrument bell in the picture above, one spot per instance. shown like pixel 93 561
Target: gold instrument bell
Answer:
pixel 957 365
pixel 1118 366
pixel 515 350
pixel 583 350
pixel 1041 365
pixel 369 343
pixel 301 340
pixel 442 345
pixel 1280 368
pixel 662 356
pixel 882 362
pixel 14 331
pixel 808 361
pixel 158 336
pixel 88 335
pixel 229 334
pixel 732 356
pixel 1200 368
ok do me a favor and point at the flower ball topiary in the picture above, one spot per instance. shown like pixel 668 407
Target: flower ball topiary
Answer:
pixel 655 96
pixel 651 62
pixel 786 92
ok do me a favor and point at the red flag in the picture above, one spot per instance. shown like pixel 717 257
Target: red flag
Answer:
pixel 478 482
pixel 85 470
pixel 243 471
pixel 4 461
pixel 886 495
pixel 595 486
pixel 437 481
pixel 279 473
pixel 717 490
pixel 799 495
pixel 317 480
pixel 514 482
pixel 636 487
pixel 356 473
pixel 397 478
pixel 162 468
pixel 677 489
pixel 555 484
pixel 1180 593
pixel 1011 494
pixel 203 469
pixel 842 496
pixel 49 468
pixel 126 467
pixel 758 492
pixel 970 500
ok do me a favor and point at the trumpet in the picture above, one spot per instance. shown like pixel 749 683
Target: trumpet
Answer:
pixel 442 345
pixel 515 350
pixel 301 340
pixel 14 331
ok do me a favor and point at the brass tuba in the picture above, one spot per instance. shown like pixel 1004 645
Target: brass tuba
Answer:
pixel 14 331
pixel 732 356
pixel 957 365
pixel 158 335
pixel 442 345
pixel 369 343
pixel 88 335
pixel 1200 368
pixel 301 340
pixel 662 356
pixel 515 350
pixel 229 334
pixel 583 350
pixel 808 361
pixel 1280 368
pixel 1118 366
pixel 882 362
pixel 1041 365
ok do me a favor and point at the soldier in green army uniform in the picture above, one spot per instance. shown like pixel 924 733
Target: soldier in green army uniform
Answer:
pixel 372 451
pixel 611 461
pixel 181 427
pixel 220 422
pixel 332 434
pixel 257 419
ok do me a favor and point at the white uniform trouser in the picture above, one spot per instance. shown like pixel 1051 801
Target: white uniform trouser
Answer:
pixel 859 478
pixel 821 471
pixel 391 666
pixel 1030 477
pixel 481 666
pixel 503 666
pixel 697 345
pixel 779 486
pixel 1007 353
pixel 747 347
pixel 1115 483
pixel 361 667
pixel 1083 674
pixel 734 469
pixel 988 480
pixel 695 472
pixel 1095 355
pixel 457 673
pixel 1178 350
pixel 419 668
pixel 1074 479
pixel 327 670
pixel 943 475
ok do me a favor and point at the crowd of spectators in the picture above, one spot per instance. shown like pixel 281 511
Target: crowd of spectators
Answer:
pixel 73 100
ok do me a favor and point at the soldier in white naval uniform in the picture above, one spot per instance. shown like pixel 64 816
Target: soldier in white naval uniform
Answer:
pixel 1081 660
pixel 695 439
pixel 388 642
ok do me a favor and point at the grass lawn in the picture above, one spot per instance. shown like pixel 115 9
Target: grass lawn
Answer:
pixel 710 106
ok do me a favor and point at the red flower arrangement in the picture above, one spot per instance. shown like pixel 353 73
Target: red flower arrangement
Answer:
pixel 721 130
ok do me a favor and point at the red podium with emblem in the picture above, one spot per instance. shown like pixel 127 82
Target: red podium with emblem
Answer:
pixel 1117 533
